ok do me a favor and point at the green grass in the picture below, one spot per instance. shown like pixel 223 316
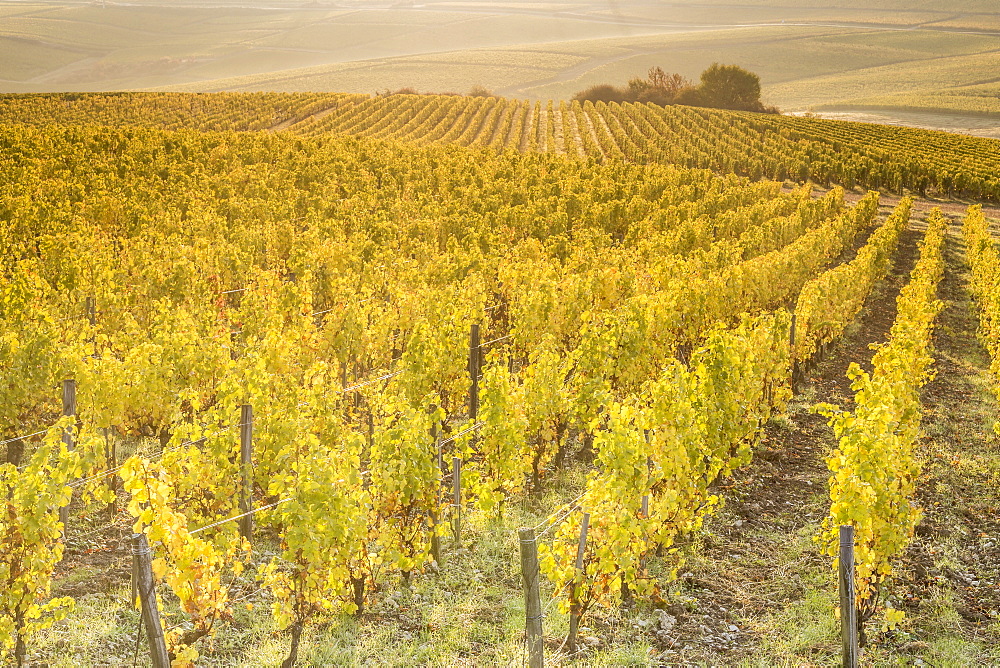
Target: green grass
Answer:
pixel 981 99
pixel 845 87
pixel 75 34
pixel 17 9
pixel 471 613
pixel 25 59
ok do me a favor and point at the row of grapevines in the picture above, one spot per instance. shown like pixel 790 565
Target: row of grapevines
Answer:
pixel 30 538
pixel 699 299
pixel 827 304
pixel 660 449
pixel 172 111
pixel 667 445
pixel 984 262
pixel 874 466
pixel 755 145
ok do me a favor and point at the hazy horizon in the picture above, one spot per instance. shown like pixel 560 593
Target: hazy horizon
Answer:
pixel 884 55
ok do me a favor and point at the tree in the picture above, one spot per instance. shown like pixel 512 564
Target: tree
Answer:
pixel 656 96
pixel 692 97
pixel 668 83
pixel 636 87
pixel 730 87
pixel 603 93
pixel 722 86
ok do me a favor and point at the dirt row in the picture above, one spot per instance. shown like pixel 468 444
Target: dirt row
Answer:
pixel 922 205
pixel 759 581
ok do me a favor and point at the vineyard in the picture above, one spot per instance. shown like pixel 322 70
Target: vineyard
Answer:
pixel 759 146
pixel 327 353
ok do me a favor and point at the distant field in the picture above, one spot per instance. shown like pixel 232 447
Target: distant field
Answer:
pixel 982 99
pixel 801 69
pixel 884 54
pixel 937 74
pixel 927 119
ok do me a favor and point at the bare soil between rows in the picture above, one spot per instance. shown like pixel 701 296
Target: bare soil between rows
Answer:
pixel 777 495
pixel 782 496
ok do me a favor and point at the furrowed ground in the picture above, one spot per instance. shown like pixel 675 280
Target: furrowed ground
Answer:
pixel 758 565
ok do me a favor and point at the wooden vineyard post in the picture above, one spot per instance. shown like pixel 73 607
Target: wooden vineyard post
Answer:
pixel 68 408
pixel 15 450
pixel 111 457
pixel 848 609
pixel 397 351
pixel 357 375
pixel 628 599
pixel 532 598
pixel 246 468
pixel 574 618
pixel 440 454
pixel 474 372
pixel 442 472
pixel 91 311
pixel 142 574
pixel 649 470
pixel 435 538
pixel 371 427
pixel 791 352
pixel 91 307
pixel 456 467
